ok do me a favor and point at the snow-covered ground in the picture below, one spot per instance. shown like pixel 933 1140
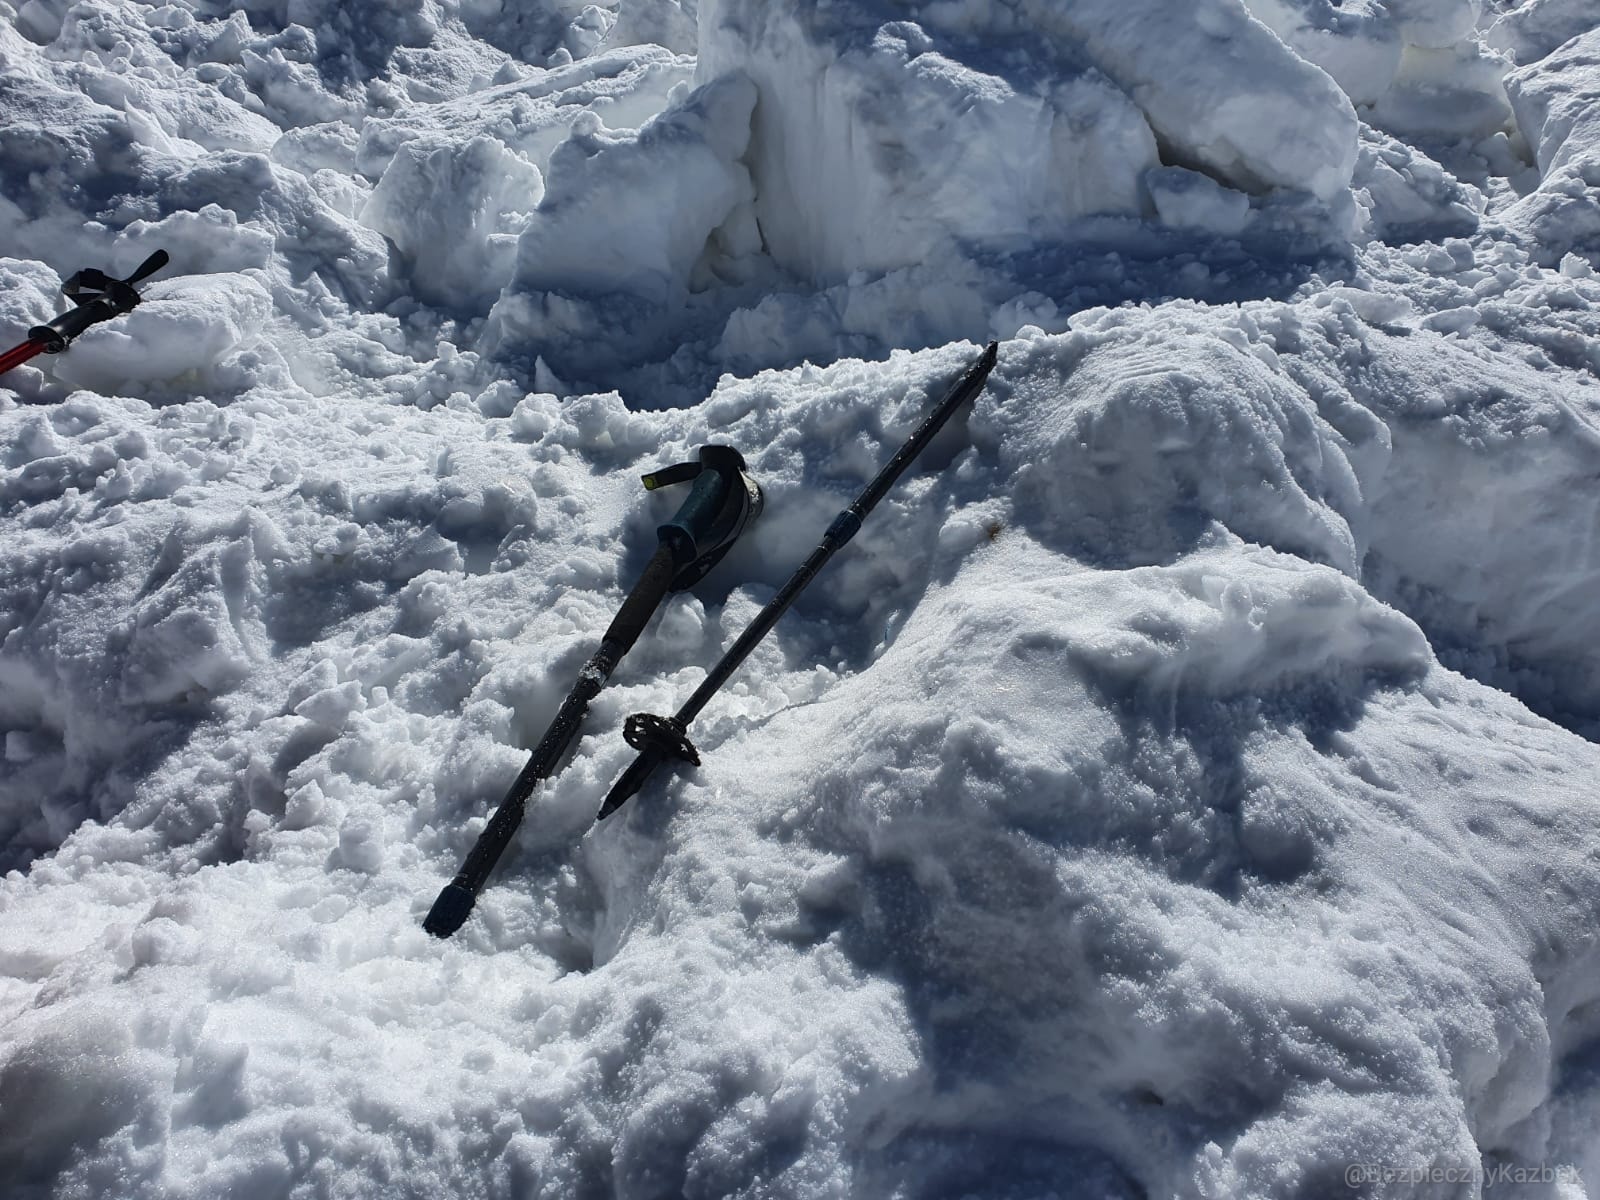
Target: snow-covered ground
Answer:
pixel 1184 785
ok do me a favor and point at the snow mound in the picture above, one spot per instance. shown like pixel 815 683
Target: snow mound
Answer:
pixel 1196 877
pixel 1147 448
pixel 1155 434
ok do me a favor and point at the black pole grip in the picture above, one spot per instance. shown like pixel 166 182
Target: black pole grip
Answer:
pixel 723 501
pixel 96 297
pixel 59 332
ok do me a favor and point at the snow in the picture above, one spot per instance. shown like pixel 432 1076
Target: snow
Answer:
pixel 1557 103
pixel 868 131
pixel 1532 30
pixel 472 199
pixel 1182 785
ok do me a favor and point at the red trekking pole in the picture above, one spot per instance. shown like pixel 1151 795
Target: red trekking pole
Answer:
pixel 95 297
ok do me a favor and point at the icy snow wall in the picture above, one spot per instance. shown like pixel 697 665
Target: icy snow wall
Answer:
pixel 886 131
pixel 1557 102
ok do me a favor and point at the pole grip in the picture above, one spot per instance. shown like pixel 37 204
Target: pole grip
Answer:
pixel 59 332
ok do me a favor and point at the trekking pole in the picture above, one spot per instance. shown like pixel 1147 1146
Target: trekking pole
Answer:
pixel 723 501
pixel 657 738
pixel 95 297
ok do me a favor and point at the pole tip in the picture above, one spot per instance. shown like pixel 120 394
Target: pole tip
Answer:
pixel 450 910
pixel 628 785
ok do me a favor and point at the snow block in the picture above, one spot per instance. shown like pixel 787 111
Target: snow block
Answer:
pixel 1557 103
pixel 1218 88
pixel 679 200
pixel 1557 106
pixel 1195 201
pixel 1359 46
pixel 453 212
pixel 1450 92
pixel 1532 30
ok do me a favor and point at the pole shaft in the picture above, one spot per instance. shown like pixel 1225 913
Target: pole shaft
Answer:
pixel 843 528
pixel 18 355
pixel 454 903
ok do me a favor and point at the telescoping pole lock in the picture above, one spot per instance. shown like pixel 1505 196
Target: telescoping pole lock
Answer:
pixel 719 507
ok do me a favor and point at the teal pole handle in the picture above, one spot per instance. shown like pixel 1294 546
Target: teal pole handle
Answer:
pixel 722 502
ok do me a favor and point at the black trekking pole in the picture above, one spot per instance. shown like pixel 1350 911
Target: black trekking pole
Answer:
pixel 657 738
pixel 723 501
pixel 95 297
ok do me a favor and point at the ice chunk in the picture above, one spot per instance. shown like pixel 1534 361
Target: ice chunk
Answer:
pixel 1532 30
pixel 1404 194
pixel 1189 199
pixel 454 212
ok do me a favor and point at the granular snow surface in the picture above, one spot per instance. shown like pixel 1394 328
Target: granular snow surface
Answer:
pixel 1184 785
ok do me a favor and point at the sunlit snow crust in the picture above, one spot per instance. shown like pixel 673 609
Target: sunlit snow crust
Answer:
pixel 1183 785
